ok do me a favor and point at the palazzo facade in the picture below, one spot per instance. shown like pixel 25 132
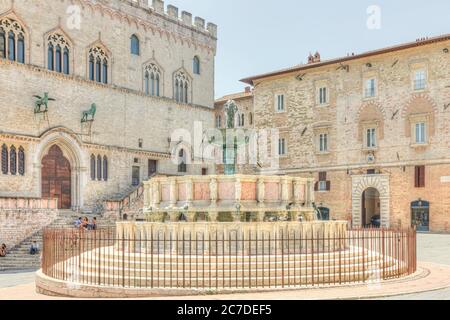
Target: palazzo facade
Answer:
pixel 121 77
pixel 372 129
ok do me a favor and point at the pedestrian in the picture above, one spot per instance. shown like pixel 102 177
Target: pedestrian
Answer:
pixel 34 249
pixel 78 223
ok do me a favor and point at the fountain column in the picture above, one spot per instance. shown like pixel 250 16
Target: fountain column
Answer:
pixel 213 197
pixel 260 197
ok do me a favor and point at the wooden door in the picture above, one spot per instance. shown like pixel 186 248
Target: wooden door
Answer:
pixel 56 178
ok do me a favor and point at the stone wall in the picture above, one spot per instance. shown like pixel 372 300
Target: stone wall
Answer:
pixel 347 112
pixel 21 218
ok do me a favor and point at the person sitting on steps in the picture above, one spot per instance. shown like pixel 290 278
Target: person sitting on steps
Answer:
pixel 3 250
pixel 34 249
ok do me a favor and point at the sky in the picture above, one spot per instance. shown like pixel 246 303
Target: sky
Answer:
pixel 258 36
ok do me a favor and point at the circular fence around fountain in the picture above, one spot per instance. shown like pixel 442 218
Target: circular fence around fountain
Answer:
pixel 151 260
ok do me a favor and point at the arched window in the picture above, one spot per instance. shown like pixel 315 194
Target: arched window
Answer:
pixel 51 57
pixel 181 87
pixel 58 53
pixel 243 120
pixel 58 59
pixel 91 68
pixel 92 167
pixel 2 43
pixel 196 65
pixel 21 49
pixel 134 45
pixel 98 65
pixel 13 160
pixel 66 61
pixel 105 71
pixel 21 161
pixel 182 166
pixel 98 69
pixel 12 46
pixel 99 168
pixel 5 167
pixel 147 83
pixel 151 81
pixel 105 168
pixel 12 40
pixel 251 118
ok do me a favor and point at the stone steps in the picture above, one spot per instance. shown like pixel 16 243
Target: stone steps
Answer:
pixel 18 258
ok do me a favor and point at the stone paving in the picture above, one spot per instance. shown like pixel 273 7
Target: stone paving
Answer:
pixel 431 248
pixel 433 251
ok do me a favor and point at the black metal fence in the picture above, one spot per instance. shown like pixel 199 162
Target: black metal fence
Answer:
pixel 227 260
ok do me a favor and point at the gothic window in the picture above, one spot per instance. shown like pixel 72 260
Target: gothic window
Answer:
pixel 105 168
pixel 98 65
pixel 58 49
pixel 58 59
pixel 105 71
pixel 99 168
pixel 12 46
pixel 98 69
pixel 21 161
pixel 91 68
pixel 51 57
pixel 181 87
pixel 12 40
pixel 5 167
pixel 21 49
pixel 66 61
pixel 2 43
pixel 92 167
pixel 13 160
pixel 196 63
pixel 134 45
pixel 152 80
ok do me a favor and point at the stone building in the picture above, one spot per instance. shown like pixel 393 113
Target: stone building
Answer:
pixel 244 115
pixel 243 122
pixel 145 69
pixel 371 128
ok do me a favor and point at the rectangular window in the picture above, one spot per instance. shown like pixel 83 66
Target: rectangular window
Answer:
pixel 420 133
pixel 370 88
pixel 323 142
pixel 323 184
pixel 152 167
pixel 323 95
pixel 420 177
pixel 282 147
pixel 420 80
pixel 135 176
pixel 280 103
pixel 371 138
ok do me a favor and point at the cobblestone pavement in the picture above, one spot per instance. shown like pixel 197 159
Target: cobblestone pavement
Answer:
pixel 432 248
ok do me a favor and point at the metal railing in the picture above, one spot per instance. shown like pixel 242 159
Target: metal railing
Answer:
pixel 227 260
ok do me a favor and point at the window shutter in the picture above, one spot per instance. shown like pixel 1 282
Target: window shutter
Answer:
pixel 316 186
pixel 328 185
pixel 422 177
pixel 416 177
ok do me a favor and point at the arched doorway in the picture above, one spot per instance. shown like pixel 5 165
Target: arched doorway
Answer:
pixel 56 177
pixel 370 210
pixel 420 215
pixel 324 213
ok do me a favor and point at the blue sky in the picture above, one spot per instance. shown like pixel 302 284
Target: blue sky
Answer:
pixel 257 36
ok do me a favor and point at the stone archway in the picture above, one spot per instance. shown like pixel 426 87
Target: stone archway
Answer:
pixel 361 183
pixel 72 152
